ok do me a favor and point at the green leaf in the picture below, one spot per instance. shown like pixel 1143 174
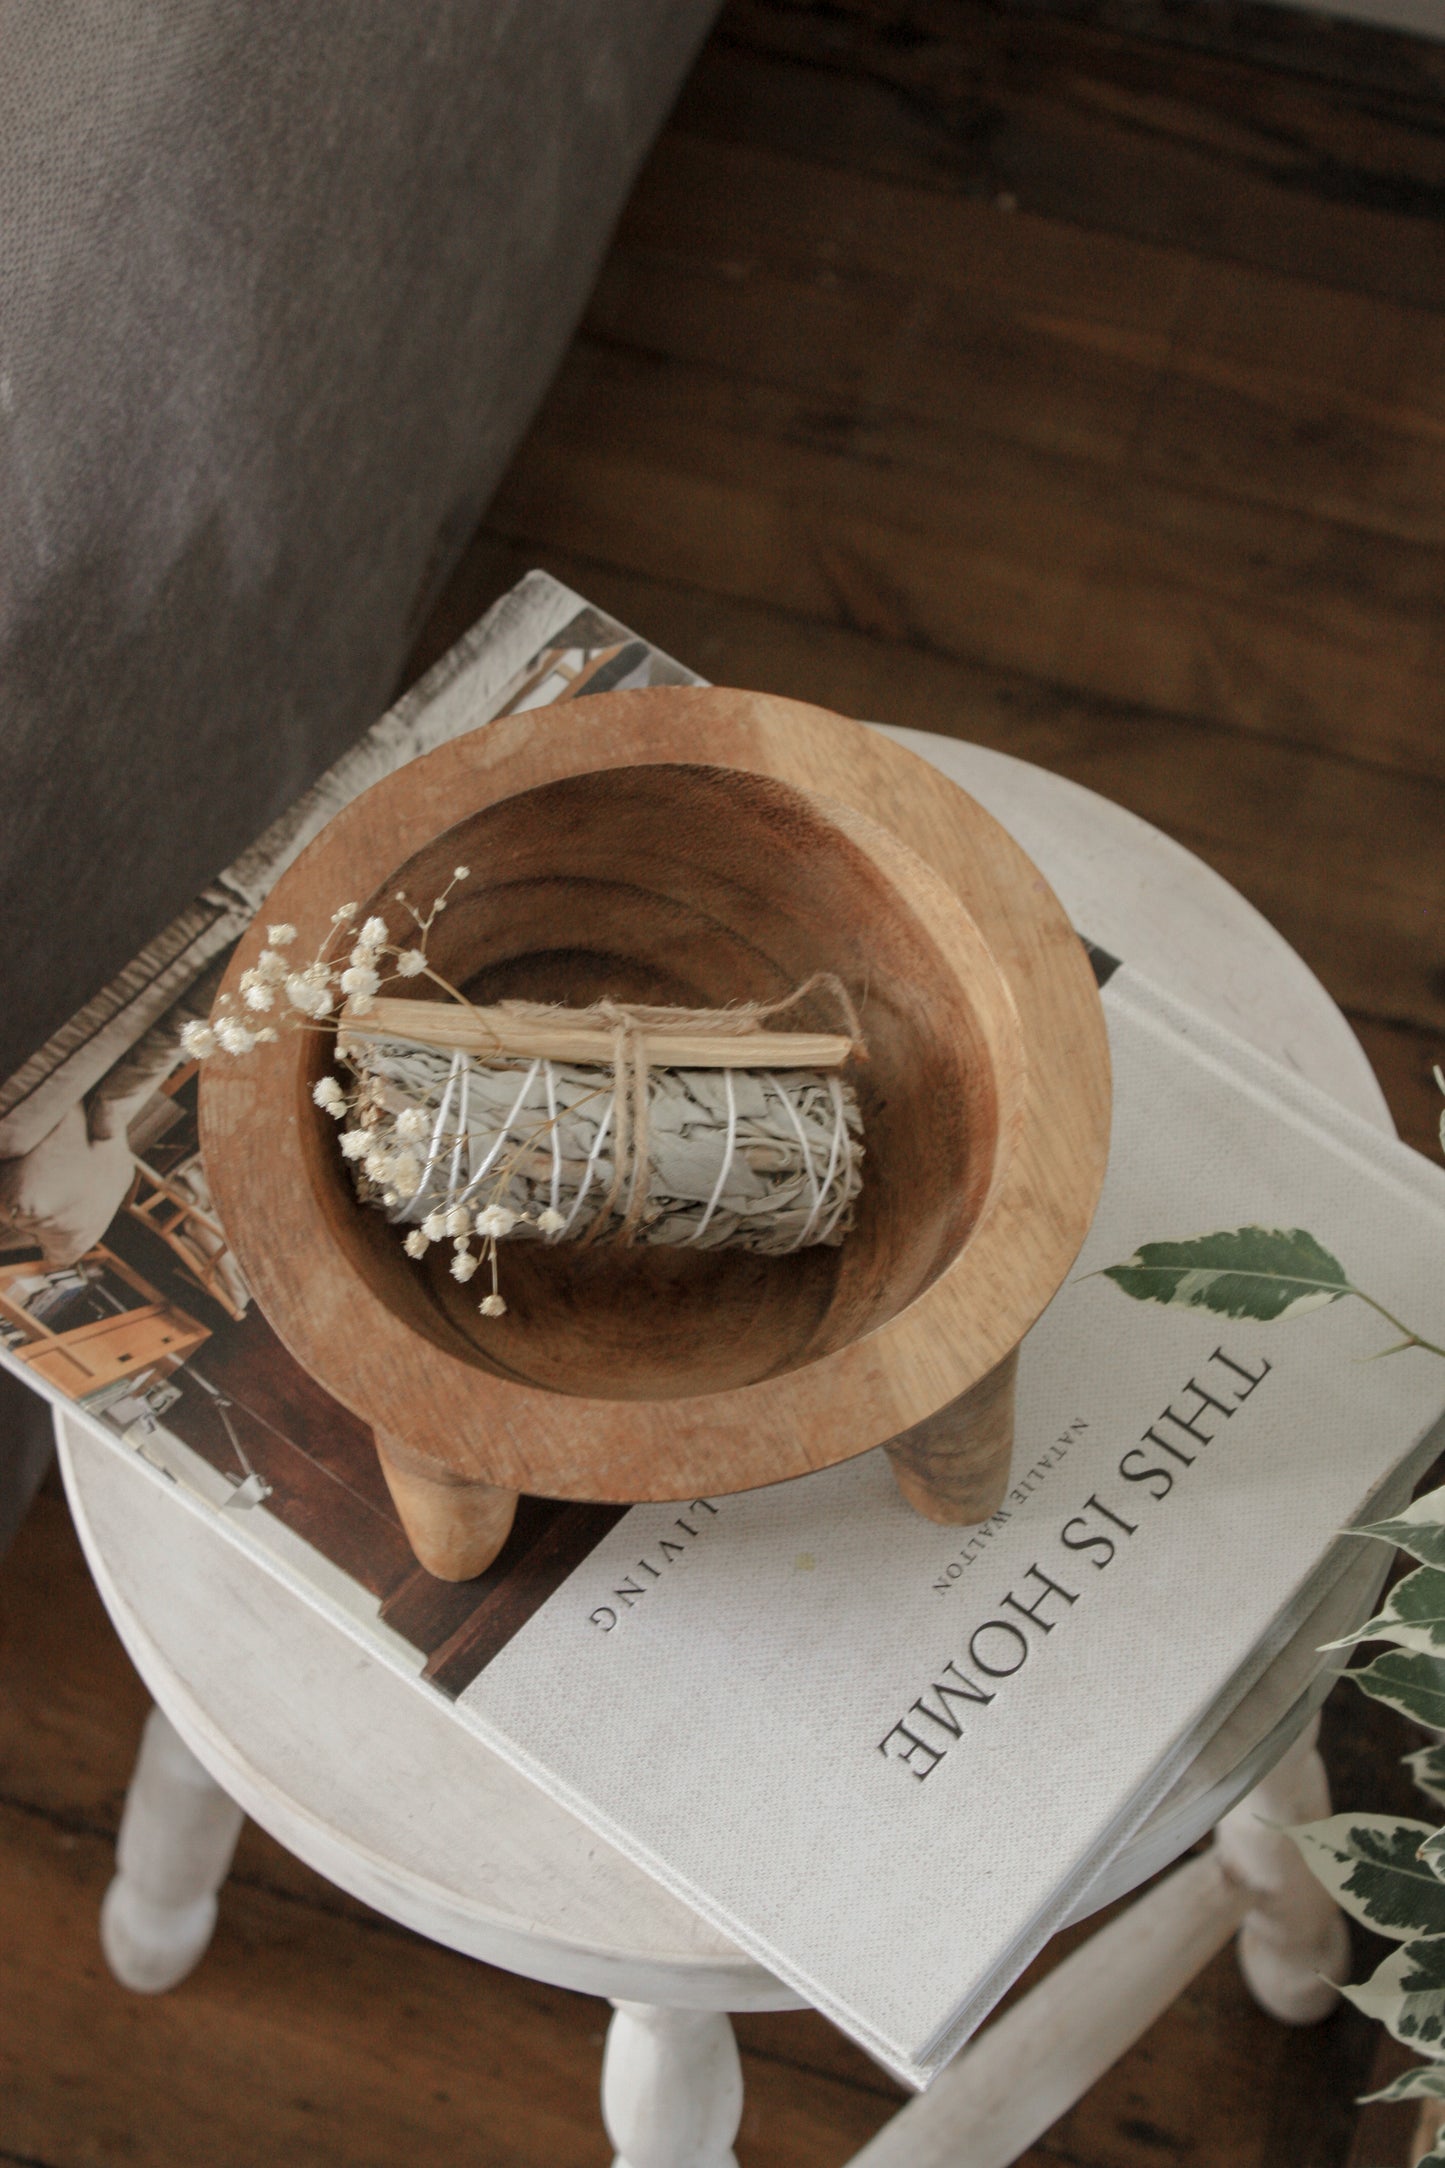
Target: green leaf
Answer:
pixel 1432 1851
pixel 1407 1994
pixel 1405 1680
pixel 1370 1865
pixel 1425 2082
pixel 1420 1529
pixel 1413 1616
pixel 1427 1766
pixel 1257 1272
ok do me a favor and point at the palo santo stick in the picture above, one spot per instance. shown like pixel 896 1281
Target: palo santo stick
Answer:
pixel 572 1035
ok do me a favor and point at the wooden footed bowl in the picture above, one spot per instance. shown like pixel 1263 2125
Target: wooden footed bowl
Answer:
pixel 698 847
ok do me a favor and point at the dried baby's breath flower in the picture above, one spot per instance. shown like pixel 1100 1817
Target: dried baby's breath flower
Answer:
pixel 257 986
pixel 310 991
pixel 386 1143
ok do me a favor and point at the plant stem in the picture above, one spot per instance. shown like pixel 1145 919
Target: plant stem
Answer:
pixel 1411 1339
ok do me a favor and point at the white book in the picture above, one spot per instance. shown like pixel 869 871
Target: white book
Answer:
pixel 888 1757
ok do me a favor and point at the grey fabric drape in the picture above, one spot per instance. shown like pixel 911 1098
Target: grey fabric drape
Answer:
pixel 279 290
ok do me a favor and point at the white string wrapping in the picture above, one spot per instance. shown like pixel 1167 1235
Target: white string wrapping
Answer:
pixel 769 1161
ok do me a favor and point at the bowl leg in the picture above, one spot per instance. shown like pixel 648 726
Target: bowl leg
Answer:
pixel 955 1466
pixel 456 1527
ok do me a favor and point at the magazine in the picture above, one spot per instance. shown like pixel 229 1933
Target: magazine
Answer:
pixel 100 1148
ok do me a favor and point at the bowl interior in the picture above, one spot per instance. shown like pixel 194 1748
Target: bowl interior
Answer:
pixel 700 886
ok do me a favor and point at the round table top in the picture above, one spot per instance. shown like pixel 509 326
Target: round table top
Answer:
pixel 374 1785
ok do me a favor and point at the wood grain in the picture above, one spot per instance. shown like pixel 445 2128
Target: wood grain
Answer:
pixel 954 1466
pixel 428 1612
pixel 1152 122
pixel 1083 571
pixel 648 1374
pixel 570 1533
pixel 456 1525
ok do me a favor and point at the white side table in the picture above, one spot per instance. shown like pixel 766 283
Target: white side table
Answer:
pixel 262 1708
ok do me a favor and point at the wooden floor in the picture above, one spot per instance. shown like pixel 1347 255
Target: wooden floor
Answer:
pixel 1069 377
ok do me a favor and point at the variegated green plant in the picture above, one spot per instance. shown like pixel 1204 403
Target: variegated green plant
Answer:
pixel 1264 1273
pixel 1386 1871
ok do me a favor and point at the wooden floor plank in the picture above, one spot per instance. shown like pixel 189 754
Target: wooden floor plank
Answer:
pixel 1357 58
pixel 744 205
pixel 1106 583
pixel 1125 129
pixel 1297 832
pixel 1201 404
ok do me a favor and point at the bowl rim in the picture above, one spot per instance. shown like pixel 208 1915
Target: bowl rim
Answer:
pixel 955 866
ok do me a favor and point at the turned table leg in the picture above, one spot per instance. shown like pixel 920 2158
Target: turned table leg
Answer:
pixel 955 1465
pixel 1293 1940
pixel 672 2087
pixel 454 1526
pixel 177 1835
